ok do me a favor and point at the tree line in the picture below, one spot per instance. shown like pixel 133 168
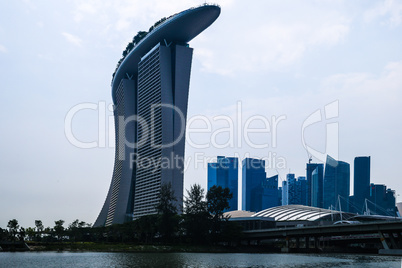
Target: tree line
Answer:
pixel 202 222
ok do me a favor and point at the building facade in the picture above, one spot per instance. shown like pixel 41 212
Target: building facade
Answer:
pixel 253 176
pixel 302 185
pixel 224 172
pixel 336 184
pixel 150 94
pixel 361 183
pixel 295 190
pixel 270 197
pixel 381 201
pixel 285 193
pixel 315 184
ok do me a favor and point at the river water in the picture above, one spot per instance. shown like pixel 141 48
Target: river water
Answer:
pixel 96 259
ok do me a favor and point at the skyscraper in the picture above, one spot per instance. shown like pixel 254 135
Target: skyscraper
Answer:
pixel 336 184
pixel 361 177
pixel 381 201
pixel 302 184
pixel 225 173
pixel 315 184
pixel 295 190
pixel 285 193
pixel 150 93
pixel 293 193
pixel 270 197
pixel 253 171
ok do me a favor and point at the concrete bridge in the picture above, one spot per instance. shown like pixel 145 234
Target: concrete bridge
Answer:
pixel 387 234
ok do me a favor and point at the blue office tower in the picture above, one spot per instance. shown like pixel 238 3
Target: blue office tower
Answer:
pixel 294 190
pixel 381 201
pixel 336 184
pixel 302 185
pixel 224 173
pixel 254 175
pixel 315 184
pixel 361 177
pixel 285 193
pixel 270 192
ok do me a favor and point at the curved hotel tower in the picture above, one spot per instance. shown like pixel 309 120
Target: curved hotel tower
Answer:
pixel 150 93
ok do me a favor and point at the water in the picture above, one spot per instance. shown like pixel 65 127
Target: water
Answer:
pixel 96 259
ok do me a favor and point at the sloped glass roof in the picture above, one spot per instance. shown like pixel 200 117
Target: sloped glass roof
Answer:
pixel 295 213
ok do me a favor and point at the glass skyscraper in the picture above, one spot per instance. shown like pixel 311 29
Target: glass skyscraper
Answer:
pixel 253 176
pixel 336 184
pixel 295 190
pixel 259 192
pixel 302 185
pixel 270 194
pixel 285 193
pixel 224 173
pixel 361 183
pixel 381 201
pixel 315 180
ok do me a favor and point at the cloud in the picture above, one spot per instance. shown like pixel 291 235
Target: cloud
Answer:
pixel 3 49
pixel 75 40
pixel 275 38
pixel 382 90
pixel 390 10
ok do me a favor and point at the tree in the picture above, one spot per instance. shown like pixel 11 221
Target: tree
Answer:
pixel 217 202
pixel 196 216
pixel 39 228
pixel 22 233
pixel 167 212
pixel 59 229
pixel 3 234
pixel 31 233
pixel 146 227
pixel 77 230
pixel 13 228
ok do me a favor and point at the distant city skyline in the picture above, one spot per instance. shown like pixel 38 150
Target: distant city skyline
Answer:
pixel 323 186
pixel 302 70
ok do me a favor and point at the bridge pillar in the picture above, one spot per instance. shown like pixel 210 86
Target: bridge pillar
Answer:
pixel 316 242
pixel 392 239
pixel 399 239
pixel 383 241
pixel 287 241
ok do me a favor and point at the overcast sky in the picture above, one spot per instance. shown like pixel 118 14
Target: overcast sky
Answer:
pixel 278 60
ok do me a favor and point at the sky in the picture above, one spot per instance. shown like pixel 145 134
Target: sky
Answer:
pixel 278 80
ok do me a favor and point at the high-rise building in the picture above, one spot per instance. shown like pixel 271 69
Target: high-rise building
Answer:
pixel 224 173
pixel 315 184
pixel 302 184
pixel 295 190
pixel 280 196
pixel 381 201
pixel 285 193
pixel 150 93
pixel 253 176
pixel 361 183
pixel 270 197
pixel 336 184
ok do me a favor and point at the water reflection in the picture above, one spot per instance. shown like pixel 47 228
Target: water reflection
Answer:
pixel 94 259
